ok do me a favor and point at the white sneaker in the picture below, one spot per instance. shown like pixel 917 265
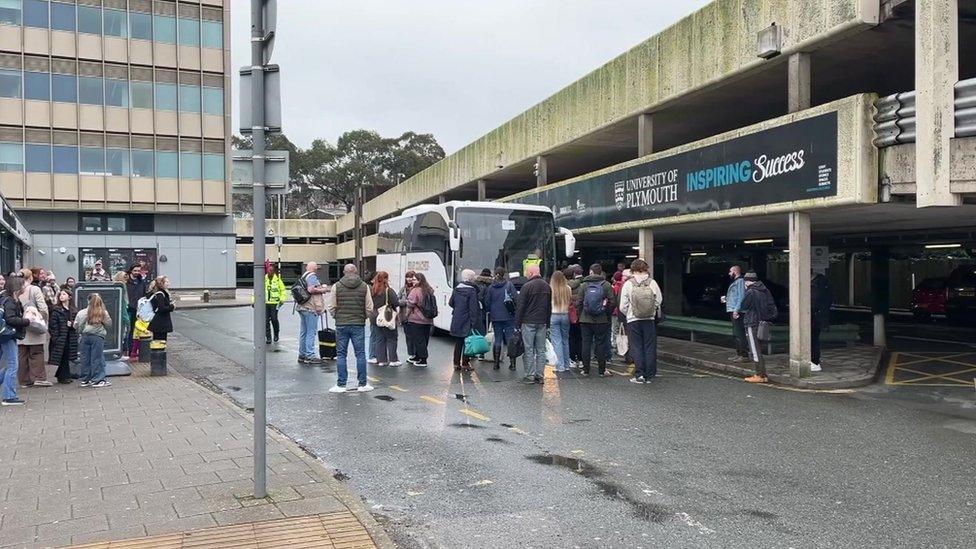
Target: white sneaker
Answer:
pixel 365 388
pixel 396 363
pixel 337 389
pixel 371 361
pixel 815 367
pixel 43 384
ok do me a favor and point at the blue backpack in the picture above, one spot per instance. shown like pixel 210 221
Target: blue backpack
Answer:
pixel 594 300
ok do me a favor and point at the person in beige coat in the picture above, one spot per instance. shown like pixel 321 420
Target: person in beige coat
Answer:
pixel 30 350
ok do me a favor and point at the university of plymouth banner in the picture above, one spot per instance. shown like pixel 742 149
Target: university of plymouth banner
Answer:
pixel 791 162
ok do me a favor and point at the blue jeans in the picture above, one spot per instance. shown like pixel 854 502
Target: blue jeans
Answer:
pixel 307 334
pixel 559 333
pixel 356 334
pixel 92 354
pixel 504 330
pixel 534 339
pixel 8 356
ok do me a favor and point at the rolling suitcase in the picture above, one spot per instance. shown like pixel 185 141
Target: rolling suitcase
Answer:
pixel 327 340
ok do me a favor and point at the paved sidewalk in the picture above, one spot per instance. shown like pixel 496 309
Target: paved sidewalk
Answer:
pixel 149 456
pixel 843 368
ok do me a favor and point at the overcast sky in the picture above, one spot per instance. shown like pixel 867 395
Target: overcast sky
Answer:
pixel 454 68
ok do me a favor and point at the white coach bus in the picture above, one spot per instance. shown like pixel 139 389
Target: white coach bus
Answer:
pixel 441 240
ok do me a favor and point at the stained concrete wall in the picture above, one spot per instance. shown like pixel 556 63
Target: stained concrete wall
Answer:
pixel 709 46
pixel 857 165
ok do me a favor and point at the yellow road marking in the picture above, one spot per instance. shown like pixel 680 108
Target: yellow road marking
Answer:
pixel 477 415
pixel 892 364
pixel 398 388
pixel 432 400
pixel 926 375
pixel 619 373
pixel 517 431
pixel 373 379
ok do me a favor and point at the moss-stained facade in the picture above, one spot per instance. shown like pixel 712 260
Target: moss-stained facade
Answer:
pixel 709 46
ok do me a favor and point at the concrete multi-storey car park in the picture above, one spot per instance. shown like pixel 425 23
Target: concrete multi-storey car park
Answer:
pixel 699 89
pixel 115 134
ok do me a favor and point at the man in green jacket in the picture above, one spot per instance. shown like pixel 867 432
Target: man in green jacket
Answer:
pixel 274 296
pixel 595 302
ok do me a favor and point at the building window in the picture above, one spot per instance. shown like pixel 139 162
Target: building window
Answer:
pixel 90 90
pixel 91 223
pixel 92 161
pixel 142 95
pixel 213 101
pixel 11 157
pixel 38 158
pixel 142 163
pixel 190 167
pixel 64 88
pixel 36 14
pixel 37 86
pixel 115 24
pixel 10 12
pixel 115 223
pixel 213 34
pixel 213 167
pixel 117 162
pixel 65 159
pixel 89 20
pixel 116 93
pixel 62 16
pixel 164 29
pixel 141 25
pixel 189 32
pixel 167 165
pixel 165 97
pixel 10 83
pixel 189 98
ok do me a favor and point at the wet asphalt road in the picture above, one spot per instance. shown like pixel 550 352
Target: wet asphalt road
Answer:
pixel 692 460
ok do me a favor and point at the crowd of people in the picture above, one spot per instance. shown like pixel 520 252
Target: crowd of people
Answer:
pixel 41 321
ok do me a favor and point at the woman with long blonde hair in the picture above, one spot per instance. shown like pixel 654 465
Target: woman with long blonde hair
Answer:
pixel 93 323
pixel 562 296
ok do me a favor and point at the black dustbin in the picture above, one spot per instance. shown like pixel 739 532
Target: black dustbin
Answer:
pixel 157 360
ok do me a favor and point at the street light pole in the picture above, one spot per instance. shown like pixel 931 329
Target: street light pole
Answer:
pixel 259 205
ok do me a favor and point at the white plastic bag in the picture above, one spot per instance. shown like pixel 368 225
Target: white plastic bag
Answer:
pixel 490 336
pixel 622 344
pixel 550 354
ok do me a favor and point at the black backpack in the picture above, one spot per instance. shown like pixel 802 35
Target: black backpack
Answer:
pixel 428 306
pixel 299 290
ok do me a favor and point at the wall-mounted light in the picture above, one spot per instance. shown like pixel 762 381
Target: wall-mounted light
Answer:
pixel 769 41
pixel 786 251
pixel 163 259
pixel 633 256
pixel 942 246
pixel 71 258
pixel 62 250
pixel 223 252
pixel 759 241
pixel 698 254
pixel 42 252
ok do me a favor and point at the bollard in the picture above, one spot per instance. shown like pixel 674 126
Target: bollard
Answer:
pixel 157 362
pixel 206 296
pixel 144 349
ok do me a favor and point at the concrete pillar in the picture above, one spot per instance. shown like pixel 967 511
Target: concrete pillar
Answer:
pixel 673 280
pixel 880 293
pixel 542 171
pixel 799 294
pixel 799 82
pixel 851 278
pixel 645 135
pixel 645 245
pixel 936 72
pixel 482 190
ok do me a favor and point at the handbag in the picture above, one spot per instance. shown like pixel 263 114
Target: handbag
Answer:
pixel 385 318
pixel 622 343
pixel 516 347
pixel 765 330
pixel 476 344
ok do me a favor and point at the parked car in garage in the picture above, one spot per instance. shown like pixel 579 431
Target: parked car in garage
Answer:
pixel 961 293
pixel 929 298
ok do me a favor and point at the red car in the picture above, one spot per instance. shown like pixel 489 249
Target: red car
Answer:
pixel 929 298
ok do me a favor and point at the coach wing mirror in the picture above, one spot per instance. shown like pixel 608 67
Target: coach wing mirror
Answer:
pixel 570 241
pixel 454 237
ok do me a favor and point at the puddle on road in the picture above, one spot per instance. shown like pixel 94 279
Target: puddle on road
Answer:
pixel 651 512
pixel 384 398
pixel 499 440
pixel 467 426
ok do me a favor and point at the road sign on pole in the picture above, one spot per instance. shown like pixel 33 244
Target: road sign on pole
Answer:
pixel 276 168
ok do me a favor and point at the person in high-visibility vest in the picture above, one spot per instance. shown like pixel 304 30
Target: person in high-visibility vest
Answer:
pixel 533 259
pixel 275 294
